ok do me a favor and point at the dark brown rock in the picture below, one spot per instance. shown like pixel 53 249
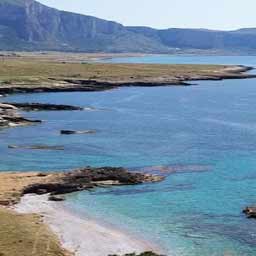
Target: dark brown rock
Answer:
pixel 250 211
pixel 88 178
pixel 5 202
pixel 56 198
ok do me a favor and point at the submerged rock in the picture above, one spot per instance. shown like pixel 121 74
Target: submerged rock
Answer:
pixel 172 169
pixel 250 212
pixel 70 132
pixel 36 147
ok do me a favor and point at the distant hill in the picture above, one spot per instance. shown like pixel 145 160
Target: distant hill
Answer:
pixel 29 25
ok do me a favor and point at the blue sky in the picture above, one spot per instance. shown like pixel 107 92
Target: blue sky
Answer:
pixel 212 14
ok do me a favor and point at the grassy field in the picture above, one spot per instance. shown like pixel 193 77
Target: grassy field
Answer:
pixel 26 235
pixel 37 70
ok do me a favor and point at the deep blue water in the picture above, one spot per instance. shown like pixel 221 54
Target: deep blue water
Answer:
pixel 209 127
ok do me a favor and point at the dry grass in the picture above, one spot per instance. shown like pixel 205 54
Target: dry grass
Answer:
pixel 26 235
pixel 12 184
pixel 38 70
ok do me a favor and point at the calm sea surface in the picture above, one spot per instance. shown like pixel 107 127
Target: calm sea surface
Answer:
pixel 207 133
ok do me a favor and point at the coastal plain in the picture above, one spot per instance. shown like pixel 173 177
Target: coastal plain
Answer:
pixel 39 73
pixel 46 73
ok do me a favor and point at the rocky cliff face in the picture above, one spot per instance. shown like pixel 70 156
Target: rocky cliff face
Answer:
pixel 29 25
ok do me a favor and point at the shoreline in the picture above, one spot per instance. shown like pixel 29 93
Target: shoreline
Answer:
pixel 77 234
pixel 150 75
pixel 96 77
pixel 80 235
pixel 37 194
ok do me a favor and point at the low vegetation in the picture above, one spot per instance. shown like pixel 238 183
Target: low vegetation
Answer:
pixel 26 235
pixel 35 70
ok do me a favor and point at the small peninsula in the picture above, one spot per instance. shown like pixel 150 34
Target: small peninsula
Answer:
pixel 47 73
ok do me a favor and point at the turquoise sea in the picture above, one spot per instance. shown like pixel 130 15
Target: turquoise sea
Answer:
pixel 206 133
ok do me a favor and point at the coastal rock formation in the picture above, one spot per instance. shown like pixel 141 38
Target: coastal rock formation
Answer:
pixel 9 117
pixel 250 212
pixel 42 107
pixel 89 178
pixel 14 185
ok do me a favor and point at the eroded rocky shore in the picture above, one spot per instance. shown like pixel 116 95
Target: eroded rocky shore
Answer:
pixel 10 117
pixel 10 112
pixel 15 185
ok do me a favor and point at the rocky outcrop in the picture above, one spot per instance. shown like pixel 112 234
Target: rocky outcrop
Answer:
pixel 250 212
pixel 9 117
pixel 88 178
pixel 43 107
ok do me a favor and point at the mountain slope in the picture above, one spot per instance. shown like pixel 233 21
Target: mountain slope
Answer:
pixel 29 25
pixel 243 40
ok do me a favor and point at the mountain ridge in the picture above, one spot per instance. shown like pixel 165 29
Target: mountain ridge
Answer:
pixel 30 25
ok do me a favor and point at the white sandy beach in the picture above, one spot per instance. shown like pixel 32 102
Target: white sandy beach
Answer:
pixel 82 236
